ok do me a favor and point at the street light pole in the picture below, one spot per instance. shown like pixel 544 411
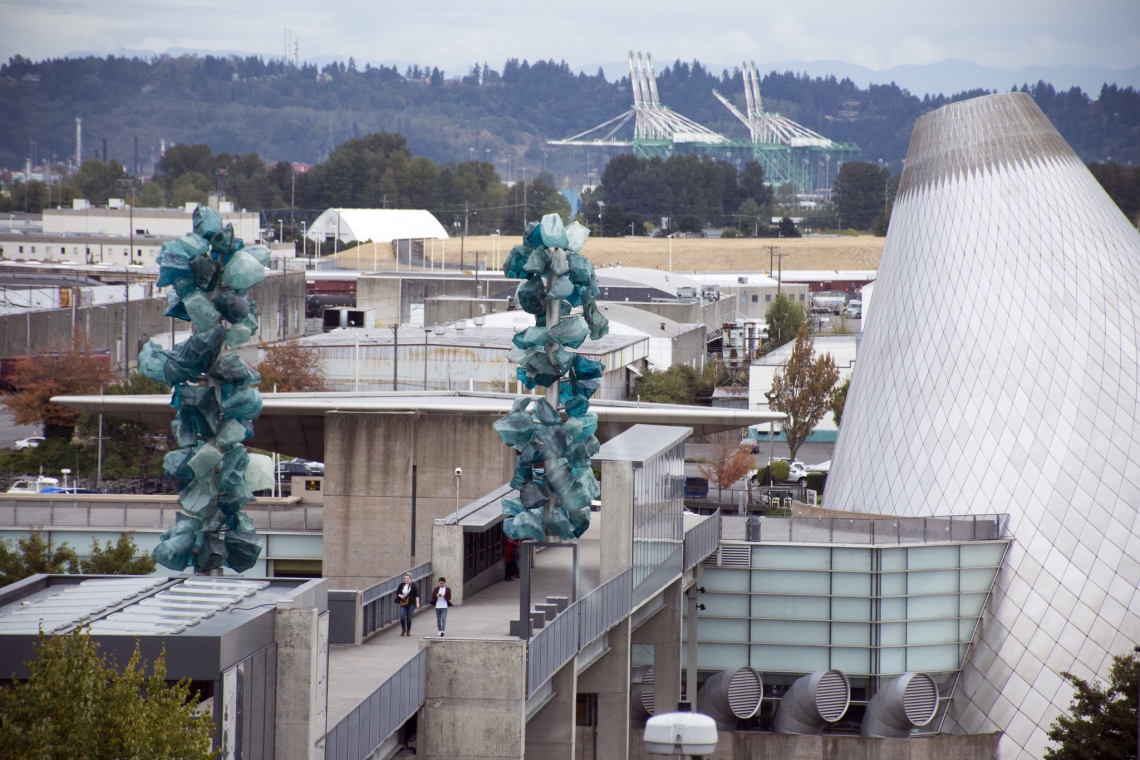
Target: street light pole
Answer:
pixel 771 438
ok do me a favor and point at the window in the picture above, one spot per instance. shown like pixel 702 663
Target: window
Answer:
pixel 126 252
pixel 768 299
pixel 21 249
pixel 62 250
pixel 801 298
pixel 755 298
pixel 33 249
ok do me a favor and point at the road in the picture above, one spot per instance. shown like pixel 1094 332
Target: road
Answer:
pixel 10 432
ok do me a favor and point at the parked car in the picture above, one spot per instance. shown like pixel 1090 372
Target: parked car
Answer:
pixel 797 473
pixel 751 445
pixel 301 467
pixel 30 442
pixel 696 488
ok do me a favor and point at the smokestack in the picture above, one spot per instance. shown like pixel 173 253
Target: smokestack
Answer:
pixel 78 142
pixel 104 150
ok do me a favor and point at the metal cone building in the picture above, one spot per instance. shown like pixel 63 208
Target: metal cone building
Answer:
pixel 1000 372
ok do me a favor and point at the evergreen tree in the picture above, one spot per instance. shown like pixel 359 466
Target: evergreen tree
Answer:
pixel 1101 722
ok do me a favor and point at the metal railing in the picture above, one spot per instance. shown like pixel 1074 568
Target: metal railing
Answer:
pixel 371 722
pixel 844 530
pixel 604 607
pixel 131 516
pixel 702 540
pixel 378 601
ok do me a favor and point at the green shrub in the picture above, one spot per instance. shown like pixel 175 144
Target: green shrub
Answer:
pixel 781 470
pixel 816 481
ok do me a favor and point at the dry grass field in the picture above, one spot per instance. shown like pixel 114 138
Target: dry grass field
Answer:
pixel 689 255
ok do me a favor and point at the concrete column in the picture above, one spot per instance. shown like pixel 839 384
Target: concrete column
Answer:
pixel 368 486
pixel 447 558
pixel 609 679
pixel 302 682
pixel 617 509
pixel 475 700
pixel 691 645
pixel 663 631
pixel 551 733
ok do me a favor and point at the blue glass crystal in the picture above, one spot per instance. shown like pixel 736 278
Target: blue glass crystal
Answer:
pixel 580 269
pixel 532 453
pixel 231 475
pixel 259 473
pixel 559 262
pixel 580 519
pixel 244 404
pixel 575 406
pixel 515 429
pixel 207 222
pixel 538 262
pixel 173 263
pixel 560 290
pixel 259 252
pixel 588 369
pixel 175 553
pixel 205 458
pixel 241 522
pixel 545 414
pixel 523 473
pixel 174 307
pixel 592 445
pixel 554 440
pixel 520 373
pixel 211 555
pixel 540 370
pixel 223 242
pixel 175 465
pixel 571 331
pixel 200 498
pixel 598 323
pixel 513 268
pixel 242 272
pixel 585 477
pixel 559 524
pixel 525 526
pixel 576 236
pixel 576 454
pixel 205 271
pixel 559 478
pixel 512 506
pixel 242 550
pixel 530 338
pixel 532 495
pixel 200 352
pixel 230 502
pixel 238 335
pixel 231 370
pixel 531 296
pixel 553 232
pixel 581 428
pixel 152 361
pixel 198 407
pixel 184 435
pixel 231 432
pixel 202 312
pixel 563 359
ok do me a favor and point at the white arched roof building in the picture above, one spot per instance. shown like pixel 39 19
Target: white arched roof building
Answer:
pixel 380 225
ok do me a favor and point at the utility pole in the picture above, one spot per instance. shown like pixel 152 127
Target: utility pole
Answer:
pixel 127 283
pixel 771 259
pixel 462 240
pixel 395 356
pixel 780 280
pixel 524 200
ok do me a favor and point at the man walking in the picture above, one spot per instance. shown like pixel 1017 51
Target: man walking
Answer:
pixel 441 600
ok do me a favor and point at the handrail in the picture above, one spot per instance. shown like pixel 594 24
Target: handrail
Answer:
pixel 370 723
pixel 865 530
pixel 378 601
pixel 702 540
pixel 116 515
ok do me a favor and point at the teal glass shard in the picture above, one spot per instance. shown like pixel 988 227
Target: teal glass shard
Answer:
pixel 553 231
pixel 531 337
pixel 538 262
pixel 242 550
pixel 532 495
pixel 176 552
pixel 575 497
pixel 592 445
pixel 588 369
pixel 531 296
pixel 202 312
pixel 571 331
pixel 211 555
pixel 205 271
pixel 244 404
pixel 587 425
pixel 575 297
pixel 585 477
pixel 515 430
pixel 539 370
pixel 217 521
pixel 584 388
pixel 598 323
pixel 580 269
pixel 580 519
pixel 242 272
pixel 532 453
pixel 560 290
pixel 241 521
pixel 513 268
pixel 563 311
pixel 232 307
pixel 553 439
pixel 520 373
pixel 231 432
pixel 183 434
pixel 238 335
pixel 173 263
pixel 200 352
pixel 516 355
pixel 231 501
pixel 259 252
pixel 525 526
pixel 559 262
pixel 563 359
pixel 512 506
pixel 575 406
pixel 207 222
pixel 174 307
pixel 520 404
pixel 559 524
pixel 576 236
pixel 546 414
pixel 223 241
pixel 152 361
pixel 205 458
pixel 184 286
pixel 175 465
pixel 198 407
pixel 259 473
pixel 576 454
pixel 523 473
pixel 231 474
pixel 200 498
pixel 559 478
pixel 231 370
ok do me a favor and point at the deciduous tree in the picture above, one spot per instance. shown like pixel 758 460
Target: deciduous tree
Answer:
pixel 76 704
pixel 1101 722
pixel 290 368
pixel 839 400
pixel 33 555
pixel 728 463
pixel 70 371
pixel 784 318
pixel 117 559
pixel 803 389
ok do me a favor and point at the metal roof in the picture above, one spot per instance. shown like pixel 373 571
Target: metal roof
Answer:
pixel 641 443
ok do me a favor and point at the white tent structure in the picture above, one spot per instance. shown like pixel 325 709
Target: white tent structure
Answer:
pixel 380 225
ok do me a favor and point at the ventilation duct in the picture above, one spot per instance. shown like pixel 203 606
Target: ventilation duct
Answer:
pixel 907 702
pixel 812 701
pixel 731 695
pixel 641 693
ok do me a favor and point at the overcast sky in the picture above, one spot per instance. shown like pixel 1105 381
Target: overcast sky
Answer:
pixel 1007 34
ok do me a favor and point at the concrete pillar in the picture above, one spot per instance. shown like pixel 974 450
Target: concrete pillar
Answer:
pixel 368 486
pixel 447 558
pixel 609 679
pixel 475 700
pixel 302 682
pixel 691 645
pixel 663 631
pixel 551 733
pixel 617 509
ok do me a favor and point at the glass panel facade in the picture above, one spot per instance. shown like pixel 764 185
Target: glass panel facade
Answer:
pixel 658 503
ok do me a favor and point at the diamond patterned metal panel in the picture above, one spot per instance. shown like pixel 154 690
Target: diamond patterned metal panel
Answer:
pixel 999 372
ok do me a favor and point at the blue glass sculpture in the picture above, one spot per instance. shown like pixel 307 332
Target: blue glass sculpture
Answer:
pixel 552 472
pixel 216 397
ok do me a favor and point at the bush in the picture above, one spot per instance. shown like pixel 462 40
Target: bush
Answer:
pixel 781 470
pixel 816 481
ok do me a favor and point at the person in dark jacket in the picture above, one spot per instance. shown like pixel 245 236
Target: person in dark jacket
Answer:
pixel 441 600
pixel 408 600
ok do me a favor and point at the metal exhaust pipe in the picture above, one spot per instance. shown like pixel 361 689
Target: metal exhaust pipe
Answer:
pixel 908 702
pixel 812 701
pixel 731 695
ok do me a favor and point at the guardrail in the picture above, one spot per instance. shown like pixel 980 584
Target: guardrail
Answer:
pixel 378 602
pixel 129 516
pixel 844 530
pixel 702 540
pixel 371 722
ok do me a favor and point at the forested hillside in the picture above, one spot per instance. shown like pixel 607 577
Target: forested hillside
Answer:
pixel 290 113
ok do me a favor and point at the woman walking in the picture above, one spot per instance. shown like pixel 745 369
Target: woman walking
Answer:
pixel 408 599
pixel 441 600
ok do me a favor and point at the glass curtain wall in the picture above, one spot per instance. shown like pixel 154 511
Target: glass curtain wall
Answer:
pixel 658 525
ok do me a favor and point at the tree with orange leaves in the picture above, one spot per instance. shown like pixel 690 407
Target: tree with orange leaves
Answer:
pixel 729 462
pixel 290 368
pixel 73 371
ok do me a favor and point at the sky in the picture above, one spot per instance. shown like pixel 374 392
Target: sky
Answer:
pixel 453 34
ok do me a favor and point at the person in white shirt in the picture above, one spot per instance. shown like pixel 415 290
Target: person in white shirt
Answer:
pixel 441 600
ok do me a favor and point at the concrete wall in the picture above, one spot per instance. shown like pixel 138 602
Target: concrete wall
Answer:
pixel 440 309
pixel 368 486
pixel 711 313
pixel 742 745
pixel 392 295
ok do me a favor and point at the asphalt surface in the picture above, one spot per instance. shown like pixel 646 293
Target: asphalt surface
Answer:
pixel 10 432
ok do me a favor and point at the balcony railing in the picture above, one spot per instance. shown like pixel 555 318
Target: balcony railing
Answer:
pixel 845 530
pixel 370 723
pixel 702 540
pixel 148 515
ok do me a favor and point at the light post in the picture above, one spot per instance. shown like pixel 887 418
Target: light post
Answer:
pixel 771 396
pixel 304 247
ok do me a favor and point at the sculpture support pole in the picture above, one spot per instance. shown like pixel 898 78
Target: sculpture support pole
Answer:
pixel 553 315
